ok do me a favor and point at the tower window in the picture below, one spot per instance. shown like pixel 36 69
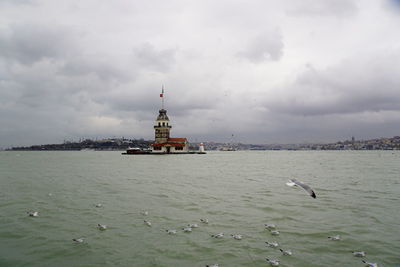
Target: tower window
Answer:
pixel 163 124
pixel 159 124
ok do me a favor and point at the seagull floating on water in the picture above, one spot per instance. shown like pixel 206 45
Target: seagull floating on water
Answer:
pixel 273 262
pixel 219 235
pixel 370 264
pixel 33 213
pixel 193 225
pixel 171 232
pixel 213 265
pixel 204 221
pixel 78 240
pixel 334 237
pixel 145 213
pixel 274 232
pixel 187 229
pixel 237 236
pixel 102 227
pixel 358 253
pixel 270 226
pixel 148 223
pixel 286 252
pixel 272 244
pixel 99 205
pixel 294 182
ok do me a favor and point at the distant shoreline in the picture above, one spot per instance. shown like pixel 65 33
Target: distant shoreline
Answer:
pixel 121 144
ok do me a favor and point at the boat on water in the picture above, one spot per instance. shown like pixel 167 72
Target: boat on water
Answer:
pixel 137 150
pixel 227 148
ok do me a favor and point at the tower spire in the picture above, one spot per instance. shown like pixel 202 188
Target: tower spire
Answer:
pixel 162 97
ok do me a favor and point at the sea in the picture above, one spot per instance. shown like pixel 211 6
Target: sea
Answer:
pixel 358 198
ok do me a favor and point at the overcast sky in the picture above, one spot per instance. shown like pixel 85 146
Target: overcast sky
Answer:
pixel 266 71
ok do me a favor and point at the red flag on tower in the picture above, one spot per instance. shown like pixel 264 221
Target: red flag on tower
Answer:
pixel 162 92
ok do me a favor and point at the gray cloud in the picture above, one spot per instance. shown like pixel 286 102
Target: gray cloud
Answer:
pixel 28 43
pixel 147 56
pixel 98 65
pixel 337 8
pixel 265 47
pixel 354 86
pixel 98 71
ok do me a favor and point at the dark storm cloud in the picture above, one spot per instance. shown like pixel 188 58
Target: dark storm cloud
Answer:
pixel 265 47
pixel 355 86
pixel 337 8
pixel 28 43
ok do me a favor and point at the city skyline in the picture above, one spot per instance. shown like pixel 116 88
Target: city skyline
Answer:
pixel 265 71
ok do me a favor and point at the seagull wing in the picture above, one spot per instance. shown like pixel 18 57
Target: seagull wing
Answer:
pixel 290 183
pixel 305 187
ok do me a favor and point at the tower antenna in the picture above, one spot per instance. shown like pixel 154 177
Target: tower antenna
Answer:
pixel 162 97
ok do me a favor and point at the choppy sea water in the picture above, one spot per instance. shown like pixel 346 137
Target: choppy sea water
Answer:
pixel 358 198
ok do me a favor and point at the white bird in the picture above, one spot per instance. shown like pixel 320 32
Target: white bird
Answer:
pixel 145 213
pixel 33 213
pixel 78 240
pixel 193 225
pixel 219 235
pixel 212 265
pixel 99 205
pixel 370 264
pixel 270 226
pixel 273 262
pixel 274 232
pixel 358 253
pixel 204 221
pixel 171 232
pixel 294 182
pixel 286 252
pixel 187 229
pixel 237 236
pixel 102 227
pixel 148 223
pixel 334 237
pixel 272 244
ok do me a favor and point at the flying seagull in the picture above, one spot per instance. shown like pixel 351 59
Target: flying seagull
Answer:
pixel 270 226
pixel 237 236
pixel 272 244
pixel 273 262
pixel 334 237
pixel 220 235
pixel 358 253
pixel 171 232
pixel 286 252
pixel 370 264
pixel 187 229
pixel 294 182
pixel 33 213
pixel 102 227
pixel 204 221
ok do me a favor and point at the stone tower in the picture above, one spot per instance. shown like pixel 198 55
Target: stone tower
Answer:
pixel 162 127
